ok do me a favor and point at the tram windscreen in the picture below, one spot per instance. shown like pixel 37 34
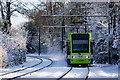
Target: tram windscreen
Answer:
pixel 80 46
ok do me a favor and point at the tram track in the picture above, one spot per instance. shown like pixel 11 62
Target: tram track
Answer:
pixel 23 68
pixel 86 78
pixel 41 58
pixel 87 73
pixel 65 73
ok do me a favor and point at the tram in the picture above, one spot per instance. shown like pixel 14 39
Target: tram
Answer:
pixel 79 49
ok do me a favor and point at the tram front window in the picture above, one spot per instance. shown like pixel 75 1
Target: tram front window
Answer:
pixel 80 46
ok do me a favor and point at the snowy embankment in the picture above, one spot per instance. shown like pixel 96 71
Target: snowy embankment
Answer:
pixel 59 67
pixel 12 48
pixel 30 61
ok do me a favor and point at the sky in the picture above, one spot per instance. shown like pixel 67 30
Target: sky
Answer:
pixel 18 19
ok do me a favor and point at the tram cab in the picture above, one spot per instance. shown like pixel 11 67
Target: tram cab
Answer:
pixel 79 49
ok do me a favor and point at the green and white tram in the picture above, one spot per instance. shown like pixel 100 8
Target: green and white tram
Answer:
pixel 79 49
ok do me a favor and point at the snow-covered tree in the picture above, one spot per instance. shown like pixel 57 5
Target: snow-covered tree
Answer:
pixel 12 48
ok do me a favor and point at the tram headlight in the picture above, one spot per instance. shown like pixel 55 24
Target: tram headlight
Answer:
pixel 74 57
pixel 87 57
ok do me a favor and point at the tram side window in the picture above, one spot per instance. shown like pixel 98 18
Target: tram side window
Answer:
pixel 80 46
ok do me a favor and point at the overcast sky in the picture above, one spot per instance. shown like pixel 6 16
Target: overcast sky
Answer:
pixel 18 19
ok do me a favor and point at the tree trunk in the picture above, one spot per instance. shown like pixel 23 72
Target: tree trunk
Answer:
pixel 6 18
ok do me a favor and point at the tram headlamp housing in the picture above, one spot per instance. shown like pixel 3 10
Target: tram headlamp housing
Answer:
pixel 74 57
pixel 87 57
pixel 80 56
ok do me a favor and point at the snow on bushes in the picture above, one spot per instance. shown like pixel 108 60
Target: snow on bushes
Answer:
pixel 12 48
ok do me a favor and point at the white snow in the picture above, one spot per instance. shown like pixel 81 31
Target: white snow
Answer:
pixel 59 67
pixel 29 62
pixel 104 72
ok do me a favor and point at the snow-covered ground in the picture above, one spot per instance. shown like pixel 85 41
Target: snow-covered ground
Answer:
pixel 29 62
pixel 59 67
